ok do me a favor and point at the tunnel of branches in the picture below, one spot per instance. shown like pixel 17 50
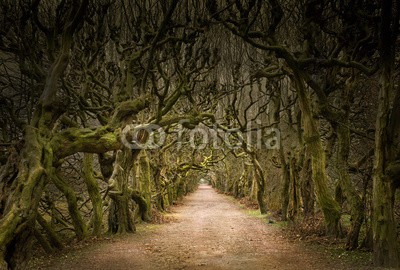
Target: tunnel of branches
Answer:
pixel 112 110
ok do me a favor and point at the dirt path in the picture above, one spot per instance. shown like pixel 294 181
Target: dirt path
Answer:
pixel 210 232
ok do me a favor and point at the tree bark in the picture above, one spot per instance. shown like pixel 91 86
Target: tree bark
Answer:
pixel 386 248
pixel 20 211
pixel 341 123
pixel 69 193
pixel 354 200
pixel 285 170
pixel 54 239
pixel 145 183
pixel 120 219
pixel 294 189
pixel 329 206
pixel 94 193
pixel 260 180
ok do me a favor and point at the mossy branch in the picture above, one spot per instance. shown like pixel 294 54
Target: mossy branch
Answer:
pixel 74 140
pixel 69 193
pixel 141 202
pixel 127 109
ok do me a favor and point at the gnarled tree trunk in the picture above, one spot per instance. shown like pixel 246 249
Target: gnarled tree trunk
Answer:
pixel 329 206
pixel 386 247
pixel 120 219
pixel 145 183
pixel 94 193
pixel 21 208
pixel 307 189
pixel 260 180
pixel 354 200
pixel 341 125
pixel 70 196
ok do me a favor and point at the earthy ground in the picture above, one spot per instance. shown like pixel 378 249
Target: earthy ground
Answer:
pixel 209 231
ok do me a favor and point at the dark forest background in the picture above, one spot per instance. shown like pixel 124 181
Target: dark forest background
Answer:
pixel 321 78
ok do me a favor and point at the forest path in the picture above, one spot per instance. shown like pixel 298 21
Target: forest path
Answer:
pixel 209 232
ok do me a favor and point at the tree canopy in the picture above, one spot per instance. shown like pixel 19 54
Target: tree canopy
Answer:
pixel 113 109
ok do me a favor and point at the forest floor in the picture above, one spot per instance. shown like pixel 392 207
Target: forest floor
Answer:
pixel 207 231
